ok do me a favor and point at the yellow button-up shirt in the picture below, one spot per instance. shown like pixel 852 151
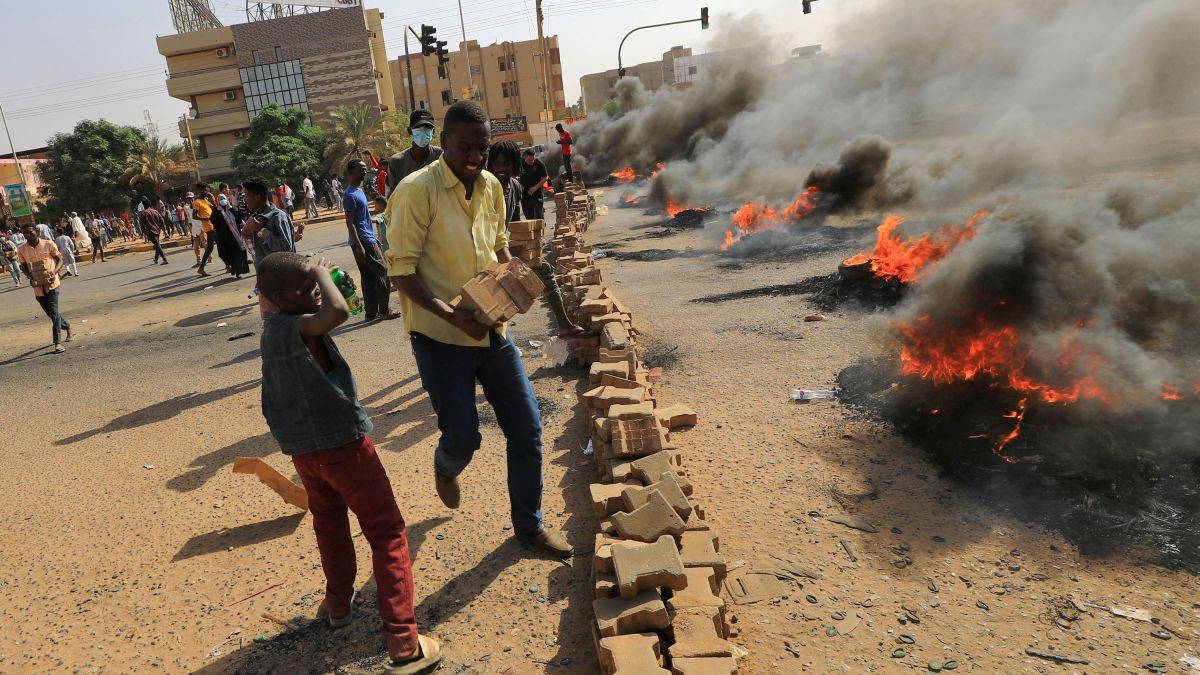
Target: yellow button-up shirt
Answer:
pixel 443 238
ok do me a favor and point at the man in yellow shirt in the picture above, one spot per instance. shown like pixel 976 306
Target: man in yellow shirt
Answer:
pixel 445 223
pixel 202 208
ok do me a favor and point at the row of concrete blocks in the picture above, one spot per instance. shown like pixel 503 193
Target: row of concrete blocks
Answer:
pixel 657 569
pixel 525 238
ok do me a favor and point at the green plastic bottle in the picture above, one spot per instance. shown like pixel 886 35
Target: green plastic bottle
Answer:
pixel 345 284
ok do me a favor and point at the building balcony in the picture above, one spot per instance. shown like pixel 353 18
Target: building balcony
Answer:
pixel 216 163
pixel 224 78
pixel 219 121
pixel 196 41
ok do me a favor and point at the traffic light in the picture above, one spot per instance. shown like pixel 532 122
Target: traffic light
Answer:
pixel 428 40
pixel 807 5
pixel 704 17
pixel 443 57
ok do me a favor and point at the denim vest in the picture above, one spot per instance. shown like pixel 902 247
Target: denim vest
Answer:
pixel 306 407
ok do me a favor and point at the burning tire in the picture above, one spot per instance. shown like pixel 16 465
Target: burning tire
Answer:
pixel 855 269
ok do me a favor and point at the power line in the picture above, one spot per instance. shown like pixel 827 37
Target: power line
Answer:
pixel 15 93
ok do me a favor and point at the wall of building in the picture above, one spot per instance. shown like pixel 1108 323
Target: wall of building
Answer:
pixel 332 47
pixel 384 85
pixel 515 90
pixel 597 88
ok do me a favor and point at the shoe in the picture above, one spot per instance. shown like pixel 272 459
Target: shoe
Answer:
pixel 447 490
pixel 202 273
pixel 429 652
pixel 392 314
pixel 551 542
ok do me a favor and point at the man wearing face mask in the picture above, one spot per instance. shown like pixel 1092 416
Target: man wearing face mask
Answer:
pixel 399 165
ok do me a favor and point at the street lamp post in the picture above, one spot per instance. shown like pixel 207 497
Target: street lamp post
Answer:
pixel 703 24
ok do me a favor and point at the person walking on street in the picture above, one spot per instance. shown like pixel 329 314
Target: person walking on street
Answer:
pixel 202 208
pixel 82 239
pixel 533 180
pixel 66 248
pixel 42 263
pixel 420 154
pixel 153 225
pixel 445 223
pixel 310 198
pixel 226 220
pixel 97 231
pixel 8 251
pixel 567 143
pixel 367 253
pixel 45 232
pixel 197 229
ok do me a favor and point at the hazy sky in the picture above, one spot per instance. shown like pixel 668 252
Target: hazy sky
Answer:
pixel 68 62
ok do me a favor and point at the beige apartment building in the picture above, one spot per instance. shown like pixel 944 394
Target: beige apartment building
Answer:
pixel 316 61
pixel 507 78
pixel 597 87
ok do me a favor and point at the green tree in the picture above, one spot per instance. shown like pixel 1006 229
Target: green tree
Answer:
pixel 159 166
pixel 282 144
pixel 355 129
pixel 83 169
pixel 612 108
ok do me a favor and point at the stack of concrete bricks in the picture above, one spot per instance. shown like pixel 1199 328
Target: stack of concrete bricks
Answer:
pixel 525 240
pixel 657 569
pixel 501 291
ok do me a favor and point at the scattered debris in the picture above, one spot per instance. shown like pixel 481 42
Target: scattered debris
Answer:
pixel 1131 612
pixel 536 343
pixel 849 551
pixel 282 622
pixel 241 335
pixel 753 587
pixel 815 317
pixel 222 324
pixel 847 625
pixel 260 591
pixel 292 494
pixel 1161 634
pixel 148 466
pixel 1056 656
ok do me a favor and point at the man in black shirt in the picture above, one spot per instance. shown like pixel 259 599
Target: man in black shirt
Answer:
pixel 533 177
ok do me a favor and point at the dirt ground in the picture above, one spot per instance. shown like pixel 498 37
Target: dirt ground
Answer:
pixel 130 542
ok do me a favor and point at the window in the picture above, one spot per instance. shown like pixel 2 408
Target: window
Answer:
pixel 691 70
pixel 503 63
pixel 508 89
pixel 445 97
pixel 256 56
pixel 423 104
pixel 441 71
pixel 281 83
pixel 278 54
pixel 419 79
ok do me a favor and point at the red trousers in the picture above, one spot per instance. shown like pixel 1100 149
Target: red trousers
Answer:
pixel 352 477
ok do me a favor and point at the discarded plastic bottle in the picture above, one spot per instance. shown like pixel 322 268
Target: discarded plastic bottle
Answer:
pixel 345 284
pixel 253 294
pixel 813 394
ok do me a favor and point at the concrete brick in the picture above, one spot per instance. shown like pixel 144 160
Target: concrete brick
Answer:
pixel 677 415
pixel 614 335
pixel 649 521
pixel 528 279
pixel 647 566
pixel 601 398
pixel 701 591
pixel 604 585
pixel 636 437
pixel 485 294
pixel 619 369
pixel 668 486
pixel 607 380
pixel 624 411
pixel 602 560
pixel 716 665
pixel 600 320
pixel 622 616
pixel 600 429
pixel 698 632
pixel 606 498
pixel 638 654
pixel 700 548
pixel 597 307
pixel 650 465
pixel 518 293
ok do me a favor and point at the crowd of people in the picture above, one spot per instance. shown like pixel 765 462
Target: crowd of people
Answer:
pixel 443 219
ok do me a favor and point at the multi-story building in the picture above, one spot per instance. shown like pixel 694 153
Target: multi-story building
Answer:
pixel 598 87
pixel 507 79
pixel 316 61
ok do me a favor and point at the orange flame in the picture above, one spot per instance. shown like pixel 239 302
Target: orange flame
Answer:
pixel 1170 393
pixel 756 216
pixel 904 259
pixel 631 199
pixel 626 175
pixel 658 166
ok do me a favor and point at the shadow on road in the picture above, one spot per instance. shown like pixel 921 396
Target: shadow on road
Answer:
pixel 161 411
pixel 237 537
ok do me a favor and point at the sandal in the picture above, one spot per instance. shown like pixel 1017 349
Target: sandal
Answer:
pixel 58 349
pixel 429 652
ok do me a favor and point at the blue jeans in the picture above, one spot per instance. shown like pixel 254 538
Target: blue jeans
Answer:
pixel 49 303
pixel 448 374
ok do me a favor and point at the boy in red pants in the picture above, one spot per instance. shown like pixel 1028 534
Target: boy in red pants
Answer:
pixel 310 402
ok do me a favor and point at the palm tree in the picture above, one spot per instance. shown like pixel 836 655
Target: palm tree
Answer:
pixel 355 129
pixel 158 163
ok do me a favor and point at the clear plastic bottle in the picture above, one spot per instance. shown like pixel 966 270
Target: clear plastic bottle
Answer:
pixel 345 284
pixel 813 394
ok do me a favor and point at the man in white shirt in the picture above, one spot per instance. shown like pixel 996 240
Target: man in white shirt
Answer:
pixel 310 198
pixel 45 232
